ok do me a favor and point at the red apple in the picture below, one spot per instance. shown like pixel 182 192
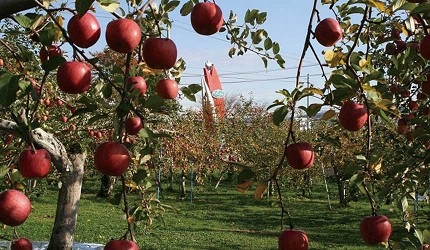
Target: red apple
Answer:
pixel 410 135
pixel 300 155
pixel 59 102
pixel 48 102
pixel 413 105
pixel 353 116
pixel 74 77
pixel 138 83
pixel 1 62
pixel 123 35
pixel 99 134
pixel 21 244
pixel 8 139
pixel 328 32
pixel 425 47
pixel 34 164
pixel 425 86
pixel 121 245
pixel 91 133
pixel 394 89
pixel 390 49
pixel 402 129
pixel 159 53
pixel 425 247
pixel 375 229
pixel 84 31
pixel 53 51
pixel 206 18
pixel 73 127
pixel 133 125
pixel 64 119
pixel 167 88
pixel 15 207
pixel 293 240
pixel 111 158
pixel 426 111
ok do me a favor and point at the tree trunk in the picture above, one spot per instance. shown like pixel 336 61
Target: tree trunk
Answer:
pixel 106 186
pixel 170 188
pixel 340 186
pixel 183 187
pixel 68 202
pixel 9 7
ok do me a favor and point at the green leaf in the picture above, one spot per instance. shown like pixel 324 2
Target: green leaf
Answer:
pixel 276 48
pixel 96 118
pixel 109 5
pixel 188 94
pixel 268 43
pixel 257 36
pixel 279 115
pixel 47 35
pixel 250 16
pixel 245 175
pixel 264 61
pixel 187 8
pixel 8 88
pixel 53 63
pixel 403 204
pixel 146 133
pixel 23 20
pixel 421 8
pixel 140 175
pixel 426 236
pixel 312 110
pixel 171 6
pixel 4 169
pixel 154 102
pixel 195 88
pixel 82 6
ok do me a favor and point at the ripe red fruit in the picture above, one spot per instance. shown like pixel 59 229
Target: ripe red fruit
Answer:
pixel 111 158
pixel 159 53
pixel 300 155
pixel 74 77
pixel 167 88
pixel 394 89
pixel 425 247
pixel 73 127
pixel 402 129
pixel 426 111
pixel 91 133
pixel 137 83
pixel 410 135
pixel 133 125
pixel 59 102
pixel 121 244
pixel 123 35
pixel 391 49
pixel 48 103
pixel 328 32
pixel 64 119
pixel 8 139
pixel 375 229
pixel 53 51
pixel 206 18
pixel 15 207
pixel 1 62
pixel 353 116
pixel 99 134
pixel 21 244
pixel 425 87
pixel 425 47
pixel 413 105
pixel 84 31
pixel 293 240
pixel 34 164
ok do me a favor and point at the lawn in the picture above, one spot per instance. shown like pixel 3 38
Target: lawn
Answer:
pixel 217 219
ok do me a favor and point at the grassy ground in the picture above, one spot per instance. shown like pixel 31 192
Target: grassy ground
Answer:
pixel 217 219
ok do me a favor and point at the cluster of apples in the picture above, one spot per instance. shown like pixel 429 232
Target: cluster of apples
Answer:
pixel 15 207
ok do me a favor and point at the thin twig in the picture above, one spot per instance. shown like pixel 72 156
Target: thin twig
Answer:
pixel 14 54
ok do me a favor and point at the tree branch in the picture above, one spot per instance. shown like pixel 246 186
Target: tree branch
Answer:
pixel 9 7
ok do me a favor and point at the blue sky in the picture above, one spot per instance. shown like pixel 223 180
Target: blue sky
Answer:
pixel 286 23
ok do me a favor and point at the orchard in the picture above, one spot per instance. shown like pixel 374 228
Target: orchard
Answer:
pixel 69 113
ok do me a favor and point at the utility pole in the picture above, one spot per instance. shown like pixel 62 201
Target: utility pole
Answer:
pixel 307 102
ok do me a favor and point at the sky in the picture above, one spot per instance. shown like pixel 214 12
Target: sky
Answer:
pixel 245 75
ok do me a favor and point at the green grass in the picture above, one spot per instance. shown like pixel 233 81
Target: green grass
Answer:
pixel 217 219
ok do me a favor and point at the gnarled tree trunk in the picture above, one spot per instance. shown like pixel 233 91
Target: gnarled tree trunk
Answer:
pixel 71 168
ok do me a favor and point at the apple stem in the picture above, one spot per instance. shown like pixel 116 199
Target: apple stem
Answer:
pixel 283 207
pixel 157 22
pixel 126 208
pixel 15 233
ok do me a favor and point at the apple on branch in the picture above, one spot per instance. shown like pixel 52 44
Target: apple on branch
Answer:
pixel 123 35
pixel 74 77
pixel 111 158
pixel 206 18
pixel 15 207
pixel 375 229
pixel 353 116
pixel 167 88
pixel 328 32
pixel 300 155
pixel 137 82
pixel 159 53
pixel 34 163
pixel 84 31
pixel 293 240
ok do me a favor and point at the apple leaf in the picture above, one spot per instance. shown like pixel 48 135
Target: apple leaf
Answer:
pixel 8 88
pixel 328 115
pixel 53 63
pixel 170 6
pixel 140 175
pixel 96 118
pixel 275 48
pixel 242 187
pixel 268 43
pixel 426 236
pixel 312 110
pixel 116 199
pixel 259 192
pixel 23 20
pixel 154 102
pixel 82 6
pixel 109 5
pixel 47 35
pixel 187 8
pixel 421 8
pixel 279 115
pixel 3 170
